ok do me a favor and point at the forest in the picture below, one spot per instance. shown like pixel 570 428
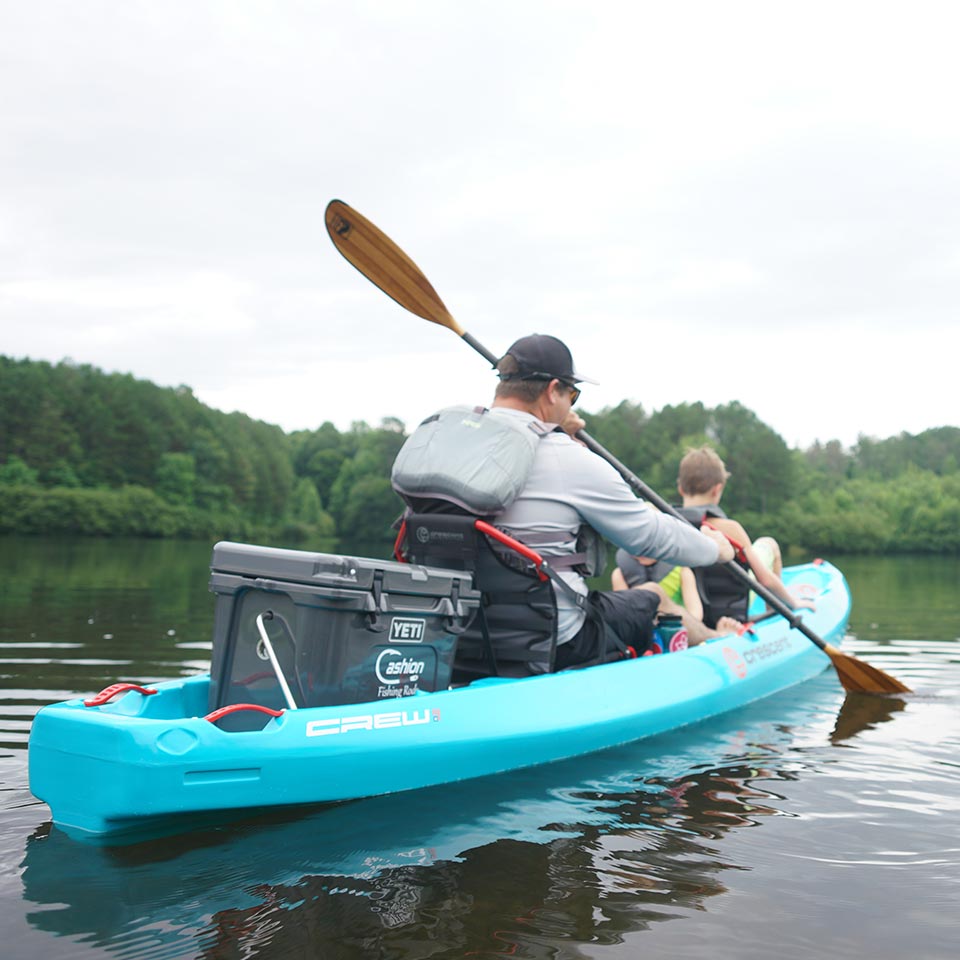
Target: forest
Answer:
pixel 84 452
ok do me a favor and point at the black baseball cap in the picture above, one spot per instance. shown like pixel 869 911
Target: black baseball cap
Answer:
pixel 542 357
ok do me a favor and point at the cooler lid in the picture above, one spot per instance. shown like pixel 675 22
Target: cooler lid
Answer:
pixel 334 570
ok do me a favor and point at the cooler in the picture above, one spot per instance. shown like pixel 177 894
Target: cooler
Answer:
pixel 321 629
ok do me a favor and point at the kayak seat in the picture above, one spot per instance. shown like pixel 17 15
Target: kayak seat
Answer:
pixel 721 593
pixel 514 631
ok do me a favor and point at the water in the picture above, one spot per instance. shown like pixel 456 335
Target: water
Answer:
pixel 809 823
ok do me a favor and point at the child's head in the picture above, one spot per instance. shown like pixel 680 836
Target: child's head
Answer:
pixel 700 471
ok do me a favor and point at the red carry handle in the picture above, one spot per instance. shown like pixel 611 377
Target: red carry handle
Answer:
pixel 237 707
pixel 108 693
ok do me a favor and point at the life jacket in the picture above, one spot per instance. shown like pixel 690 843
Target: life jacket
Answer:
pixel 463 460
pixel 723 593
pixel 463 456
pixel 636 573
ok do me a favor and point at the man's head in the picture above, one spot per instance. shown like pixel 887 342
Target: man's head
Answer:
pixel 701 471
pixel 535 364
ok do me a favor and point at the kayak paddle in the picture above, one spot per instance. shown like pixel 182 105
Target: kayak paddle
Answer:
pixel 384 264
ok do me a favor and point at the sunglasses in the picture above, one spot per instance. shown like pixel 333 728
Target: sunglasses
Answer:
pixel 574 390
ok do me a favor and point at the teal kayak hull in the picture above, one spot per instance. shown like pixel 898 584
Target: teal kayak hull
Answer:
pixel 108 770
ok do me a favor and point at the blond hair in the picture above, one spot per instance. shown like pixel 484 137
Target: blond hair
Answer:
pixel 701 470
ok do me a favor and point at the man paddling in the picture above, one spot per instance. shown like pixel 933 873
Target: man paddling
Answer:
pixel 571 495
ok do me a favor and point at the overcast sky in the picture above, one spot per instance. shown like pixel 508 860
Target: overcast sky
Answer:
pixel 707 201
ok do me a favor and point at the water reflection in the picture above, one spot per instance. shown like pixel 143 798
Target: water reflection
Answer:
pixel 76 614
pixel 861 711
pixel 580 852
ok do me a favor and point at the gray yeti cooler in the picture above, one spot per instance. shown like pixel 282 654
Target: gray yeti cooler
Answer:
pixel 294 628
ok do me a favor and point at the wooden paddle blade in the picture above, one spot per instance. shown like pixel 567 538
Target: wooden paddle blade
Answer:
pixel 383 263
pixel 859 677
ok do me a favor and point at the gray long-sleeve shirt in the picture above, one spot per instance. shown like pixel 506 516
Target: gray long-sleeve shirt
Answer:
pixel 569 486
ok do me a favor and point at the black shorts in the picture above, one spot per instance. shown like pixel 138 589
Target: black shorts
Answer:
pixel 628 615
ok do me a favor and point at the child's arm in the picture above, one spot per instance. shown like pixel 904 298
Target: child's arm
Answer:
pixel 765 576
pixel 690 593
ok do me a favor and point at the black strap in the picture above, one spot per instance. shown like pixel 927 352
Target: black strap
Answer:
pixel 578 599
pixel 549 568
pixel 488 643
pixel 568 561
pixel 505 596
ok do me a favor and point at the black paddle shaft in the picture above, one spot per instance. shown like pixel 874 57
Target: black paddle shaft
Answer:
pixel 481 349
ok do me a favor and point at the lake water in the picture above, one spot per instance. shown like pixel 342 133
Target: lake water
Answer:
pixel 810 824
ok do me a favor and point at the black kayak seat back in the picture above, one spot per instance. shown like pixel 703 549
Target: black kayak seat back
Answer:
pixel 514 631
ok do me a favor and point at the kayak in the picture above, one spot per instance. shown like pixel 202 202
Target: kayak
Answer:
pixel 111 765
pixel 375 843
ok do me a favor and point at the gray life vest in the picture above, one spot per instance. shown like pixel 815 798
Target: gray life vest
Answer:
pixel 468 458
pixel 480 463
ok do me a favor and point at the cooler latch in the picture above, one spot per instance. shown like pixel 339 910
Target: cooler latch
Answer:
pixel 454 618
pixel 375 603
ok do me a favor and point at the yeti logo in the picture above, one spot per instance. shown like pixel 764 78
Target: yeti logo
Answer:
pixel 407 629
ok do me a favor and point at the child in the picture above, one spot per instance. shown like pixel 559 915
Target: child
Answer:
pixel 677 589
pixel 700 482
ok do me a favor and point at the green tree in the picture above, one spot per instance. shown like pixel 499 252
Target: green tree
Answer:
pixel 319 455
pixel 621 430
pixel 369 509
pixel 15 472
pixel 177 478
pixel 366 474
pixel 102 454
pixel 305 505
pixel 757 457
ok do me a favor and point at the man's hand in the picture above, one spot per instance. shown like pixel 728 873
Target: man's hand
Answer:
pixel 572 423
pixel 724 548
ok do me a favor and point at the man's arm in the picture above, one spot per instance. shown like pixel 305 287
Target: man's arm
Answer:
pixel 601 497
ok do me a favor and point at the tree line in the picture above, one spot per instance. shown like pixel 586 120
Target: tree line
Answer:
pixel 92 453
